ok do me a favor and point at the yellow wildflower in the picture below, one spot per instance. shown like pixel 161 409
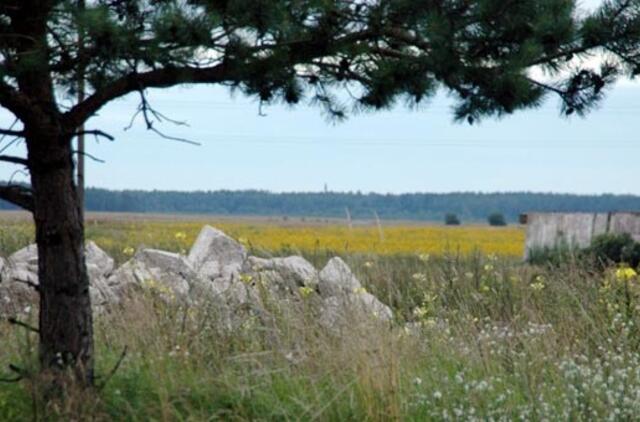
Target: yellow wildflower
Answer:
pixel 128 251
pixel 626 274
pixel 537 286
pixel 246 278
pixel 305 291
pixel 420 312
pixel 180 236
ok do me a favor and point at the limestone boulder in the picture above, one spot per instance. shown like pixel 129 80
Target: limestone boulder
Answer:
pixel 23 264
pixel 16 296
pixel 337 279
pixel 99 264
pixel 353 308
pixel 369 304
pixel 166 273
pixel 20 272
pixel 169 262
pixel 214 254
pixel 345 300
pixel 26 255
pixel 295 271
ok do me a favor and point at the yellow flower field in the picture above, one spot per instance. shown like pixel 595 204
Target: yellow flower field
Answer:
pixel 121 236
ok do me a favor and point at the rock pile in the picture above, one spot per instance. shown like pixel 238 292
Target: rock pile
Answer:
pixel 217 271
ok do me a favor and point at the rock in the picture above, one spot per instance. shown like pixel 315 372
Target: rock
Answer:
pixel 253 263
pixel 217 274
pixel 372 305
pixel 27 255
pixel 332 312
pixel 353 308
pixel 129 276
pixel 23 264
pixel 166 261
pixel 168 274
pixel 22 272
pixel 295 271
pixel 214 254
pixel 336 278
pixel 98 262
pixel 16 297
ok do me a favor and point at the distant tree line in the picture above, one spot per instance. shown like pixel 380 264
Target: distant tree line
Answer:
pixel 414 206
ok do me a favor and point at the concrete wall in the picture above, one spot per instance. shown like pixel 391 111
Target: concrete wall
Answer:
pixel 577 229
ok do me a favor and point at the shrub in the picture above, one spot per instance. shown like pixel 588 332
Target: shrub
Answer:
pixel 451 220
pixel 555 256
pixel 496 219
pixel 604 250
pixel 616 248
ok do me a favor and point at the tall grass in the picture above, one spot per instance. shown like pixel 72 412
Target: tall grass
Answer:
pixel 476 337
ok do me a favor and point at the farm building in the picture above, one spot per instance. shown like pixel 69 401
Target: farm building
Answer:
pixel 549 229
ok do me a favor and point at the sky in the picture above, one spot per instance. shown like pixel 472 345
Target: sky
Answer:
pixel 296 149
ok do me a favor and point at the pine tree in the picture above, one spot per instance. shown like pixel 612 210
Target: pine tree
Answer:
pixel 383 51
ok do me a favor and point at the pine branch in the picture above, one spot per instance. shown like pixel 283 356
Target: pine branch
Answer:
pixel 9 132
pixel 23 325
pixel 18 195
pixel 14 160
pixel 160 78
pixel 95 132
pixel 14 101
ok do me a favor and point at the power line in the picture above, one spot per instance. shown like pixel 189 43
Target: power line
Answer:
pixel 446 143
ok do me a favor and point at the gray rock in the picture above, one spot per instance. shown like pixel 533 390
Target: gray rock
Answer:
pixel 26 255
pixel 332 312
pixel 336 279
pixel 372 305
pixel 23 264
pixel 98 262
pixel 214 254
pixel 353 309
pixel 168 274
pixel 128 276
pixel 217 274
pixel 292 270
pixel 22 272
pixel 16 297
pixel 166 261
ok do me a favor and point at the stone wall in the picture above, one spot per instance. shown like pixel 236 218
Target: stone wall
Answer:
pixel 217 273
pixel 576 229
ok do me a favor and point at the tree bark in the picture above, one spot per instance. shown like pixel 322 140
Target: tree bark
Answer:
pixel 66 330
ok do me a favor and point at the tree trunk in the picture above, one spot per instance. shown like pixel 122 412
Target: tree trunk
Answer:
pixel 66 329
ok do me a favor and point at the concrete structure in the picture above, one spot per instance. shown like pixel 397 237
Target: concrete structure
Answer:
pixel 576 229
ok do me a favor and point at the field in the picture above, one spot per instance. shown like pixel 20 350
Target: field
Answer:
pixel 117 233
pixel 478 335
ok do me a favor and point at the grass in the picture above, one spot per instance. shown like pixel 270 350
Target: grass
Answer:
pixel 476 337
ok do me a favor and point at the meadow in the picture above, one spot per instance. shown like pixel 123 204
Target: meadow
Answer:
pixel 478 335
pixel 121 234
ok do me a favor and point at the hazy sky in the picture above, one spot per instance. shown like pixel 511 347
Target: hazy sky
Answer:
pixel 396 151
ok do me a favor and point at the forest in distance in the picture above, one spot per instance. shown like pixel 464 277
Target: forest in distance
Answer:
pixel 468 206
